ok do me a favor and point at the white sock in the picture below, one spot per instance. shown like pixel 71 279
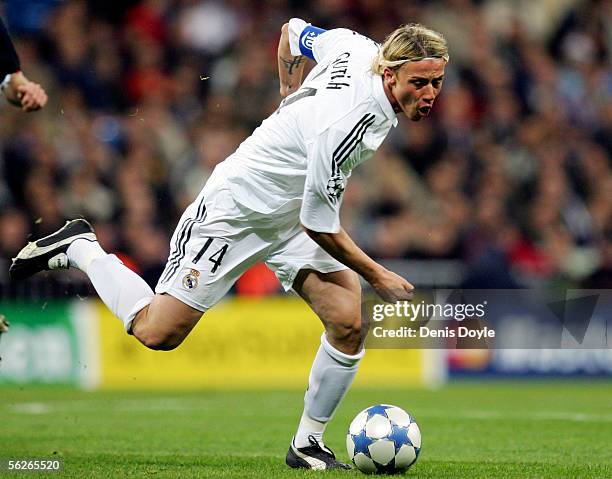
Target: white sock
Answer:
pixel 309 427
pixel 330 377
pixel 123 291
pixel 82 252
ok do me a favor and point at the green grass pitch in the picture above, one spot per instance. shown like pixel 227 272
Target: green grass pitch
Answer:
pixel 470 430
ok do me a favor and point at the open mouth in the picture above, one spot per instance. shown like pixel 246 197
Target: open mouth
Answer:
pixel 424 110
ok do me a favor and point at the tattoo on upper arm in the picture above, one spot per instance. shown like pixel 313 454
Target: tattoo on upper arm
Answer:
pixel 292 64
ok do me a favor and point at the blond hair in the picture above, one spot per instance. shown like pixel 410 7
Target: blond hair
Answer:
pixel 409 43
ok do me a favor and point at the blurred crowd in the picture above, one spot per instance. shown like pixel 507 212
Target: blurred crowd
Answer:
pixel 511 174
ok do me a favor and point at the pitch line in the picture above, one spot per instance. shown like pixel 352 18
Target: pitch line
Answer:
pixel 527 415
pixel 178 405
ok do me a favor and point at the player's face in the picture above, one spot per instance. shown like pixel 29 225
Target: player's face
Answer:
pixel 414 86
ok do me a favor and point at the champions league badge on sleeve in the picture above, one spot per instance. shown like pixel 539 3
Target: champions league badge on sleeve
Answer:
pixel 190 280
pixel 335 187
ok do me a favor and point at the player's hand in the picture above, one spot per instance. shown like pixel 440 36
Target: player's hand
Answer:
pixel 33 97
pixel 391 287
pixel 24 93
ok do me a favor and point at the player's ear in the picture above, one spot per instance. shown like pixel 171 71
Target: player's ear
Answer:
pixel 389 76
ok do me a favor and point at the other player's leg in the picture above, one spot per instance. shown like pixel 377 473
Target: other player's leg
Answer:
pixel 336 299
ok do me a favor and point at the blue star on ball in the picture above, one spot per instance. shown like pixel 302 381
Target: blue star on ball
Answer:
pixel 399 436
pixel 379 409
pixel 362 442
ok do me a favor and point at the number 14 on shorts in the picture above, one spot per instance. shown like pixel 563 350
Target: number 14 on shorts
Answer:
pixel 215 258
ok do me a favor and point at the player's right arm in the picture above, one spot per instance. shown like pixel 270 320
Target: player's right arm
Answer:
pixel 388 285
pixel 295 46
pixel 290 66
pixel 18 90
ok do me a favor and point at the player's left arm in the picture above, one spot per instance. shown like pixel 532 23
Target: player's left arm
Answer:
pixel 323 192
pixel 18 90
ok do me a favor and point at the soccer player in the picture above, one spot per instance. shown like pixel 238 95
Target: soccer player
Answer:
pixel 277 199
pixel 17 89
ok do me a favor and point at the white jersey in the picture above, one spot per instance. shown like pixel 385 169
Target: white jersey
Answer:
pixel 300 158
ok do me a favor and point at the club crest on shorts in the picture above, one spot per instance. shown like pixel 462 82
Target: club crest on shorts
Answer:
pixel 190 280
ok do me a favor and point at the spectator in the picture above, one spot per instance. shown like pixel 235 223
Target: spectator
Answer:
pixel 512 175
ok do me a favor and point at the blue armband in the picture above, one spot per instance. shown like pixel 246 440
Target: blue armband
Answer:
pixel 307 37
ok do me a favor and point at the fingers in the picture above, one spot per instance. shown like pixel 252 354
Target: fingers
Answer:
pixel 386 296
pixel 392 287
pixel 409 291
pixel 405 292
pixel 409 288
pixel 33 97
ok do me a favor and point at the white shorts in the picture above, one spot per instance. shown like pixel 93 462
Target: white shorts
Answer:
pixel 217 240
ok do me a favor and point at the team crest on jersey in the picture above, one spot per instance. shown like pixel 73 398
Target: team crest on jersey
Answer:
pixel 190 280
pixel 335 187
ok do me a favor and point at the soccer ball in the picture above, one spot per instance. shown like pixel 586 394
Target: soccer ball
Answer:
pixel 383 439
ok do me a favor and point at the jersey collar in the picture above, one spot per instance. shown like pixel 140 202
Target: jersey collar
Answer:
pixel 378 92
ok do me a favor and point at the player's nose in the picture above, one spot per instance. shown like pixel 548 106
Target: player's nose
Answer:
pixel 429 94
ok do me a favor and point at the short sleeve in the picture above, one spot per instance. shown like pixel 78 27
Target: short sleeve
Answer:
pixel 296 27
pixel 324 186
pixel 331 156
pixel 315 42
